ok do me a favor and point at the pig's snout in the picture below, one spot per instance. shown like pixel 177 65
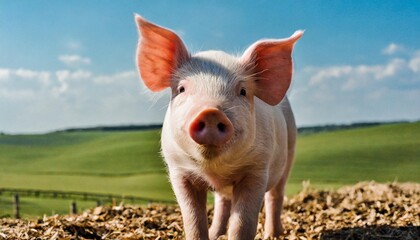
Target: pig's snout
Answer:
pixel 211 127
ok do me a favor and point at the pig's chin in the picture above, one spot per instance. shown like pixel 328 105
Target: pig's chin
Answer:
pixel 209 152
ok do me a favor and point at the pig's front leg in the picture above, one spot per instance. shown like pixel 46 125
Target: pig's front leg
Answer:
pixel 221 215
pixel 273 206
pixel 247 200
pixel 192 198
pixel 275 196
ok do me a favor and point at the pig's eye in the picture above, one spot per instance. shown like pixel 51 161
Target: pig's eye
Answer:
pixel 243 92
pixel 181 89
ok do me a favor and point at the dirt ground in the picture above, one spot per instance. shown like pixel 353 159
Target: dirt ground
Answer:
pixel 367 210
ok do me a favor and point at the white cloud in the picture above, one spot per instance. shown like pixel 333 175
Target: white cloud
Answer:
pixel 115 78
pixel 415 63
pixel 392 48
pixel 364 92
pixel 352 77
pixel 64 76
pixel 42 76
pixel 350 84
pixel 74 60
pixel 322 74
pixel 4 73
pixel 14 95
pixel 73 98
pixel 56 82
pixel 391 69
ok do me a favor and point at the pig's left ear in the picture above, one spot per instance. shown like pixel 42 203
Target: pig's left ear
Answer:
pixel 270 61
pixel 159 53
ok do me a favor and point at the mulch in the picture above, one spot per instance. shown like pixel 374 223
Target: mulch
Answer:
pixel 367 210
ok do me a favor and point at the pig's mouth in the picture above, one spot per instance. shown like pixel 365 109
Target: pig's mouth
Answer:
pixel 210 151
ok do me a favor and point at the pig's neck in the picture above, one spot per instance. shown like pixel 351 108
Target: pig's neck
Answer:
pixel 220 176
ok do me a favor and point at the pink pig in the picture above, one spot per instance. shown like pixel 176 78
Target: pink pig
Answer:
pixel 228 128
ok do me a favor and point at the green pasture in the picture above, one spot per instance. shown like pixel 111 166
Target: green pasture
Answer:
pixel 129 163
pixel 38 207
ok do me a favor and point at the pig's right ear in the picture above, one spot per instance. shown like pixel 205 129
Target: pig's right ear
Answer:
pixel 159 53
pixel 270 62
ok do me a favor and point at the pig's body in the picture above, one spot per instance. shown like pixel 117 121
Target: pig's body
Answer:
pixel 228 128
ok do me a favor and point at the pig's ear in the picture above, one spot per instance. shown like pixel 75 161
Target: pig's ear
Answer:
pixel 159 53
pixel 270 61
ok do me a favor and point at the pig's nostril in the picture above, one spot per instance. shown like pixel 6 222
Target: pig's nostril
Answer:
pixel 221 127
pixel 201 126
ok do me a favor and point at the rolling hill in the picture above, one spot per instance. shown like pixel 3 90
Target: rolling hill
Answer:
pixel 129 163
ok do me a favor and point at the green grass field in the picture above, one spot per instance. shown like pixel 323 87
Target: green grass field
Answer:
pixel 129 163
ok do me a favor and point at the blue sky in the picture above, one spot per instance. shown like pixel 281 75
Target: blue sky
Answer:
pixel 71 63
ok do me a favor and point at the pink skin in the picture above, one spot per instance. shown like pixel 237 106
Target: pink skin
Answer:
pixel 229 128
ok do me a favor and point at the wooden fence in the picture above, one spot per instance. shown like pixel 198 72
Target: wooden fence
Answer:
pixel 100 198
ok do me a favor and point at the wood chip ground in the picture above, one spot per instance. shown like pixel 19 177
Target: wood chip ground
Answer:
pixel 366 210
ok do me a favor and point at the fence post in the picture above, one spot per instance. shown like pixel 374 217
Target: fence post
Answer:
pixel 73 208
pixel 16 206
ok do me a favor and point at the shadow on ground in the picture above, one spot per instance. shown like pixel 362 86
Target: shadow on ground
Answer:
pixel 374 233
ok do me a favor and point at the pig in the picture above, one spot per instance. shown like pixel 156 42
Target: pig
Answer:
pixel 229 128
